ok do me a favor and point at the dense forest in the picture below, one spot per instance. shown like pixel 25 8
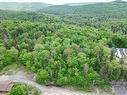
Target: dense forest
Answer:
pixel 94 15
pixel 66 49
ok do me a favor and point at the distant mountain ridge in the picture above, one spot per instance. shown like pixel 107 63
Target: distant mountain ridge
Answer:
pixel 91 8
pixel 33 6
pixel 103 9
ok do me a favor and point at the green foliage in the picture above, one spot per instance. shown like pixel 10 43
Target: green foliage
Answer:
pixel 91 11
pixel 19 90
pixel 61 53
pixel 114 71
pixel 119 41
pixel 27 16
pixel 42 77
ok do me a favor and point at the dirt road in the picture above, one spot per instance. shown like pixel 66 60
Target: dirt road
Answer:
pixel 20 78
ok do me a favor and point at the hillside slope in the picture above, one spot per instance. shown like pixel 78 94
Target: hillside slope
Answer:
pixel 22 6
pixel 116 9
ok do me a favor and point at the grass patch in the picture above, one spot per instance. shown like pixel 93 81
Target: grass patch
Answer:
pixel 24 89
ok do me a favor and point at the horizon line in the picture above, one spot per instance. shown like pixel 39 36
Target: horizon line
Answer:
pixel 53 4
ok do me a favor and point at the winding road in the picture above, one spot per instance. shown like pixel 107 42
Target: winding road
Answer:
pixel 45 90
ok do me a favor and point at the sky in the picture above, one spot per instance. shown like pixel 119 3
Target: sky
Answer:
pixel 56 2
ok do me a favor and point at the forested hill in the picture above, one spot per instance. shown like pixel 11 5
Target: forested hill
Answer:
pixel 94 15
pixel 116 9
pixel 64 54
pixel 27 16
pixel 22 6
